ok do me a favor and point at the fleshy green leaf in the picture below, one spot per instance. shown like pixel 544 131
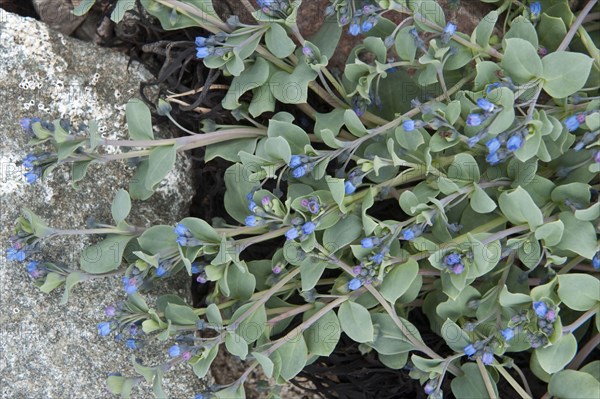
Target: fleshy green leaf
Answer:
pixel 565 73
pixel 356 322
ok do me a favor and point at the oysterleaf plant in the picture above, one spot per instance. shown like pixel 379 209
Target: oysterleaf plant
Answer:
pixel 488 141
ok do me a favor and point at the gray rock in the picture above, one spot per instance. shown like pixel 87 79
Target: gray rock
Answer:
pixel 48 350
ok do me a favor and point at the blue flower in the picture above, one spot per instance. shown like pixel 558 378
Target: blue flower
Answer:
pixel 410 233
pixel 29 160
pixel 540 308
pixel 31 177
pixel 130 285
pixel 368 25
pixel 295 161
pixel 493 158
pixel 182 240
pixel 252 206
pixel 131 343
pixel 469 350
pixel 354 284
pixel 251 221
pixel 367 242
pixel 507 334
pixel 195 268
pixel 199 396
pixel 104 328
pixel 450 29
pixel 202 52
pixel 15 254
pixel 485 105
pixel 487 358
pixel 474 120
pixel 491 87
pixel 596 261
pixel 535 9
pixel 292 233
pixel 514 142
pixel 493 145
pixel 349 188
pixel 308 228
pixel 378 258
pixel 354 29
pixel 409 125
pixel 26 123
pixel 180 229
pixel 572 123
pixel 452 259
pixel 174 351
pixel 473 140
pixel 200 41
pixel 160 271
pixel 299 171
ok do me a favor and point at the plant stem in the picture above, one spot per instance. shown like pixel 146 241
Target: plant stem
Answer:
pixel 302 327
pixel 267 295
pixel 486 379
pixel 579 322
pixel 512 382
pixel 584 352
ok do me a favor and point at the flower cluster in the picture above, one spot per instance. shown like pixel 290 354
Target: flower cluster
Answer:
pixel 361 19
pixel 480 349
pixel 454 262
pixel 300 229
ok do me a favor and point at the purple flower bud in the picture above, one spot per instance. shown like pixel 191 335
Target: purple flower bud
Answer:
pixel 292 233
pixel 458 268
pixel 540 308
pixel 551 315
pixel 131 343
pixel 307 51
pixel 174 351
pixel 201 279
pixel 313 207
pixel 110 311
pixel 354 284
pixel 357 269
pixel 469 350
pixel 265 201
pixel 186 356
pixel 276 269
pixel 474 120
